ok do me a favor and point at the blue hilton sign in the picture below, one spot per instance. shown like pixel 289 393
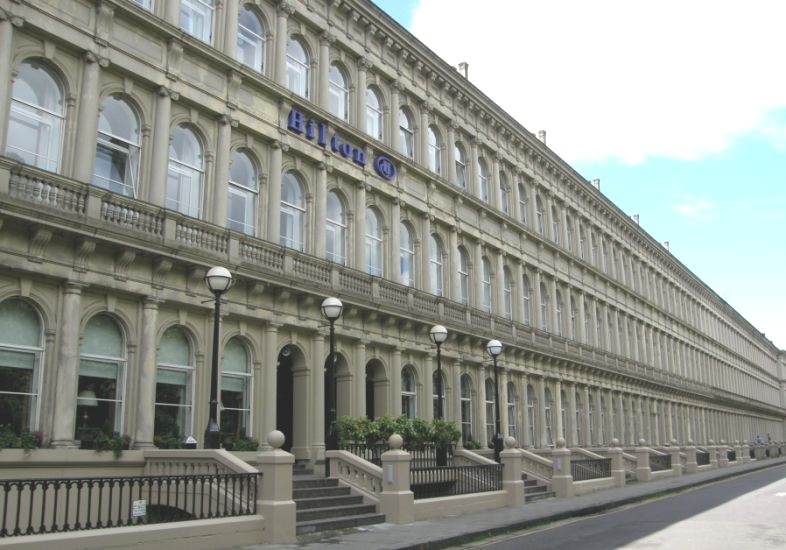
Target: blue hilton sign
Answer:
pixel 321 133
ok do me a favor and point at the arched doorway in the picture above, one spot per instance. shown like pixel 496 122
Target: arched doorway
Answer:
pixel 292 386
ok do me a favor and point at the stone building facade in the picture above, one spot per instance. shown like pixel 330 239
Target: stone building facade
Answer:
pixel 315 148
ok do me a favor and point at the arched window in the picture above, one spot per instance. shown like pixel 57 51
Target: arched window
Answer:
pixel 196 18
pixel 558 307
pixel 544 308
pixel 21 351
pixel 466 409
pixel 293 212
pixel 335 230
pixel 461 167
pixel 374 115
pixel 236 378
pixel 406 255
pixel 507 293
pixel 434 150
pixel 486 284
pixel 548 406
pixel 512 413
pixel 539 222
pixel 463 275
pixel 186 173
pixel 522 204
pixel 242 189
pixel 338 92
pixel 406 136
pixel 483 180
pixel 531 414
pixel 436 387
pixel 563 415
pixel 554 225
pixel 408 393
pixel 99 402
pixel 490 419
pixel 572 318
pixel 525 296
pixel 117 150
pixel 250 40
pixel 504 193
pixel 174 391
pixel 35 123
pixel 373 243
pixel 297 67
pixel 435 263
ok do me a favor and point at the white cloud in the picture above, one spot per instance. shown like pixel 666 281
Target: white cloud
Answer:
pixel 695 208
pixel 619 78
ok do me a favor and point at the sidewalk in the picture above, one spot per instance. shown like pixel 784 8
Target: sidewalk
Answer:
pixel 454 530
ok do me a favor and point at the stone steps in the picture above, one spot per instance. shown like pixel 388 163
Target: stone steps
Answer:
pixel 323 505
pixel 534 489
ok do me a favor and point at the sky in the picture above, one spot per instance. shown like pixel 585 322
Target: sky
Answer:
pixel 679 108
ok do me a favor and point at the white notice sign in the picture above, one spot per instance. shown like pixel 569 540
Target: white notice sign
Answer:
pixel 138 508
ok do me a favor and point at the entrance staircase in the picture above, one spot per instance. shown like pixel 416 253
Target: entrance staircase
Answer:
pixel 535 489
pixel 324 505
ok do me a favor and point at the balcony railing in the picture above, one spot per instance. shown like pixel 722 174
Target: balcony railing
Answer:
pixel 660 463
pixel 702 458
pixel 455 480
pixel 37 506
pixel 583 470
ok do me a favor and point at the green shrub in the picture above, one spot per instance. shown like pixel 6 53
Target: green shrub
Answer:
pixel 416 433
pixel 116 443
pixel 25 440
pixel 245 444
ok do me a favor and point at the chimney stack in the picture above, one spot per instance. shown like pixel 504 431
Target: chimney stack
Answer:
pixel 542 136
pixel 596 183
pixel 666 245
pixel 463 68
pixel 635 218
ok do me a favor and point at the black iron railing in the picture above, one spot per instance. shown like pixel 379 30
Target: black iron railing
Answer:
pixel 660 463
pixel 702 458
pixel 583 470
pixel 455 480
pixel 36 506
pixel 731 455
pixel 423 457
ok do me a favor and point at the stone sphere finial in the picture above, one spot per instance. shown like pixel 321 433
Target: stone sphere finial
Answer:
pixel 711 442
pixel 736 441
pixel 690 442
pixel 642 442
pixel 276 439
pixel 395 442
pixel 510 442
pixel 723 442
pixel 744 441
pixel 561 443
pixel 674 442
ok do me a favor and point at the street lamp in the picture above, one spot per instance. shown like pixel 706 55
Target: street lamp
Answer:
pixel 331 310
pixel 439 334
pixel 494 347
pixel 218 280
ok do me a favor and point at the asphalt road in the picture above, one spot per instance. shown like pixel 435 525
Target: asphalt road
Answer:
pixel 743 512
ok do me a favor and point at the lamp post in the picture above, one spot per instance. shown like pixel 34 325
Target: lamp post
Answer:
pixel 494 347
pixel 218 280
pixel 439 334
pixel 331 310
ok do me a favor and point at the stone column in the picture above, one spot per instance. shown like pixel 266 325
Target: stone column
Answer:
pixel 556 325
pixel 360 97
pixel 320 210
pixel 323 80
pixel 476 297
pixel 484 438
pixel 230 28
pixel 395 382
pixel 541 389
pixel 282 38
pixel 473 185
pixel 526 440
pixel 318 395
pixel 425 255
pixel 538 320
pixel 581 325
pixel 573 436
pixel 427 407
pixel 454 292
pixel 424 119
pixel 274 194
pixel 146 392
pixel 270 377
pixel 598 418
pixel 498 285
pixel 68 368
pixel 503 402
pixel 495 194
pixel 559 428
pixel 87 121
pixel 7 23
pixel 360 227
pixel 360 379
pixel 221 176
pixel 393 125
pixel 588 431
pixel 451 146
pixel 562 480
pixel 455 370
pixel 160 148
